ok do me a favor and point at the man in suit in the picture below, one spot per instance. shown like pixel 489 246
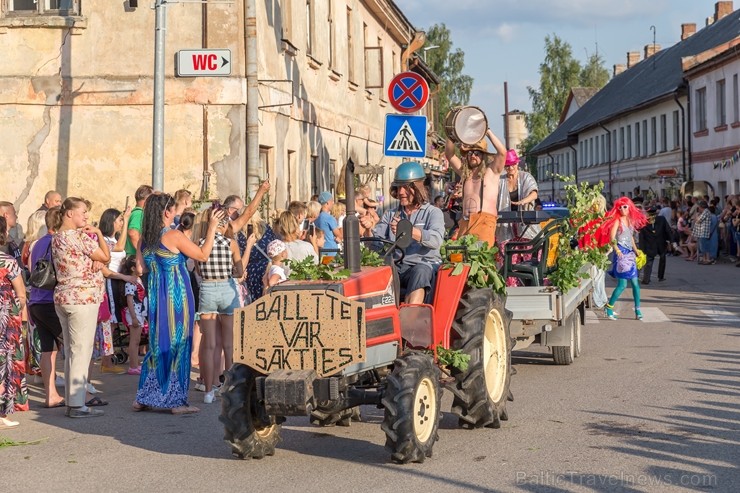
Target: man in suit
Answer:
pixel 654 240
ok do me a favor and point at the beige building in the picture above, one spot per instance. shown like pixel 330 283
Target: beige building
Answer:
pixel 76 94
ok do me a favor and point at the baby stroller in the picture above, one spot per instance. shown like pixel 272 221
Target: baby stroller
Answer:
pixel 121 339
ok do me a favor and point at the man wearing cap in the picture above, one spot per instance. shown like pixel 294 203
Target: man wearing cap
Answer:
pixel 654 240
pixel 481 175
pixel 365 208
pixel 422 256
pixel 328 223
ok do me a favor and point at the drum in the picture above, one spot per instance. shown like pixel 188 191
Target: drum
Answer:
pixel 466 124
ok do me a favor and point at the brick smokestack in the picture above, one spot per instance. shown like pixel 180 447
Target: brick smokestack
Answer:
pixel 633 58
pixel 687 30
pixel 619 68
pixel 651 50
pixel 722 9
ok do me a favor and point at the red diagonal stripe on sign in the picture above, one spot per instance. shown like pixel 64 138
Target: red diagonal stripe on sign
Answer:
pixel 408 92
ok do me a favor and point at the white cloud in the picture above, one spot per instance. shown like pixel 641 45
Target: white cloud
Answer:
pixel 505 32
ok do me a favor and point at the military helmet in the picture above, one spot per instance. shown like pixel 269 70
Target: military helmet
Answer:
pixel 409 172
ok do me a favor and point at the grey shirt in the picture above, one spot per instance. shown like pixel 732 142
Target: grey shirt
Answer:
pixel 430 221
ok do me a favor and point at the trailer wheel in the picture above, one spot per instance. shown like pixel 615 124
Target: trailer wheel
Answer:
pixel 250 431
pixel 412 408
pixel 577 328
pixel 564 355
pixel 480 392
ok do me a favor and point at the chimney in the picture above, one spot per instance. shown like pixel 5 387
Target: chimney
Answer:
pixel 722 9
pixel 633 58
pixel 619 68
pixel 651 50
pixel 687 30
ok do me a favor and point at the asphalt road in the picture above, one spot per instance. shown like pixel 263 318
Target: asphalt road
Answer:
pixel 649 406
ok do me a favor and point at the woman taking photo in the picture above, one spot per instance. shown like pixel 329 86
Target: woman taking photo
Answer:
pixel 165 371
pixel 622 222
pixel 12 300
pixel 77 296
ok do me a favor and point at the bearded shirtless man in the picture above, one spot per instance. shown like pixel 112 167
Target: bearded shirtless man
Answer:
pixel 481 175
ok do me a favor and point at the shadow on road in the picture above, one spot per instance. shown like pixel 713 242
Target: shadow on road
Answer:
pixel 694 445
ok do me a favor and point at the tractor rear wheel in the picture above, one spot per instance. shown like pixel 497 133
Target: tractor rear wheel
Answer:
pixel 481 391
pixel 412 401
pixel 250 431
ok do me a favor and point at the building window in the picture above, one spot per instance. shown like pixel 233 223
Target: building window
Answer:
pixel 316 186
pixel 644 138
pixel 637 139
pixel 613 142
pixel 350 48
pixel 676 130
pixel 701 109
pixel 653 136
pixel 596 150
pixel 629 142
pixel 735 99
pixel 721 109
pixel 591 151
pixel 620 156
pixel 309 28
pixel 663 133
pixel 332 38
pixel 41 7
pixel 603 148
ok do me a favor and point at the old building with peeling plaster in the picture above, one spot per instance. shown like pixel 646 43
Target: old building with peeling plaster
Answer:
pixel 76 97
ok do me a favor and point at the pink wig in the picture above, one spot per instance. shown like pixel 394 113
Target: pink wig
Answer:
pixel 636 217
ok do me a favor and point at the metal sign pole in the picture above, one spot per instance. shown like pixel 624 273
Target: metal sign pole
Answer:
pixel 160 30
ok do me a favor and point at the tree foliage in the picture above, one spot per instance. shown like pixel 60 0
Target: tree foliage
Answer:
pixel 559 72
pixel 448 64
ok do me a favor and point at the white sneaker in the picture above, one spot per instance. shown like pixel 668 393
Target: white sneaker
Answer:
pixel 208 398
pixel 200 387
pixel 91 389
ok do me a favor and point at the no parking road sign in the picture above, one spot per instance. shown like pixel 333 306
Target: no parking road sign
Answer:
pixel 408 92
pixel 405 136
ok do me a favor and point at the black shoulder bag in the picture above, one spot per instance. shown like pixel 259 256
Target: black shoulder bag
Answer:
pixel 44 275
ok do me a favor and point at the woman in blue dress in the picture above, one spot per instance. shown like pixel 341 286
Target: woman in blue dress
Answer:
pixel 165 371
pixel 622 222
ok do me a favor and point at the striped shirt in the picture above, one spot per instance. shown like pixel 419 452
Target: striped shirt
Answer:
pixel 219 265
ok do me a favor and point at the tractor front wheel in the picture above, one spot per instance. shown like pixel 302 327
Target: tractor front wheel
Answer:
pixel 412 408
pixel 250 431
pixel 481 391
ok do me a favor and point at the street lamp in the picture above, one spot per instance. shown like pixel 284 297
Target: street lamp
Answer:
pixel 427 48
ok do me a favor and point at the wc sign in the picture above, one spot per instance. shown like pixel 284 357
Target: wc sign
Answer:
pixel 203 63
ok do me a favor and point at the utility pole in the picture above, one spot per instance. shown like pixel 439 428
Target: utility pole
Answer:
pixel 506 115
pixel 160 31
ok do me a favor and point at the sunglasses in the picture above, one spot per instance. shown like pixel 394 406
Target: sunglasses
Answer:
pixel 624 207
pixel 472 153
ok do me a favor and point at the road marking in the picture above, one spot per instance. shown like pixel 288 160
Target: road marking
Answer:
pixel 591 317
pixel 722 316
pixel 649 315
pixel 653 315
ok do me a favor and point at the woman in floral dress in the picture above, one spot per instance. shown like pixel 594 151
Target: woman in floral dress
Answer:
pixel 12 299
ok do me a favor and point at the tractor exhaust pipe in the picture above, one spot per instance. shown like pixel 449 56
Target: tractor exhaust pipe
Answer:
pixel 351 224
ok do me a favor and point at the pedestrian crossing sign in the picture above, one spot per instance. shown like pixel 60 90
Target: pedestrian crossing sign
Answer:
pixel 405 136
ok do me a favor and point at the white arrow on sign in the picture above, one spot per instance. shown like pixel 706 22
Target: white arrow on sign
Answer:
pixel 204 63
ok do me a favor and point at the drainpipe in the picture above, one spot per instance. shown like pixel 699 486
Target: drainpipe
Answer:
pixel 575 154
pixel 609 154
pixel 690 175
pixel 417 42
pixel 683 133
pixel 552 175
pixel 253 142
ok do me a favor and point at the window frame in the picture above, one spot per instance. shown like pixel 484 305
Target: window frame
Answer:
pixel 43 8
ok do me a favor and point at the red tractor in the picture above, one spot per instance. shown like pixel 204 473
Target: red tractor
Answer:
pixel 322 348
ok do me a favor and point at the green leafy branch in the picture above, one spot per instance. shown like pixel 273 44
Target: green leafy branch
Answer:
pixel 580 200
pixel 454 358
pixel 306 270
pixel 480 258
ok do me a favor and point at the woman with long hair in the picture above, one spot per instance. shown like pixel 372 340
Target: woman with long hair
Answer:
pixel 77 296
pixel 165 371
pixel 35 230
pixel 622 222
pixel 12 300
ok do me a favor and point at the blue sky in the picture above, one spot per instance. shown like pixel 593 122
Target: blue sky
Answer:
pixel 503 40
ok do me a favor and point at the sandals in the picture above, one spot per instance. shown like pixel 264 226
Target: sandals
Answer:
pixel 96 402
pixel 6 423
pixel 609 312
pixel 638 314
pixel 58 404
